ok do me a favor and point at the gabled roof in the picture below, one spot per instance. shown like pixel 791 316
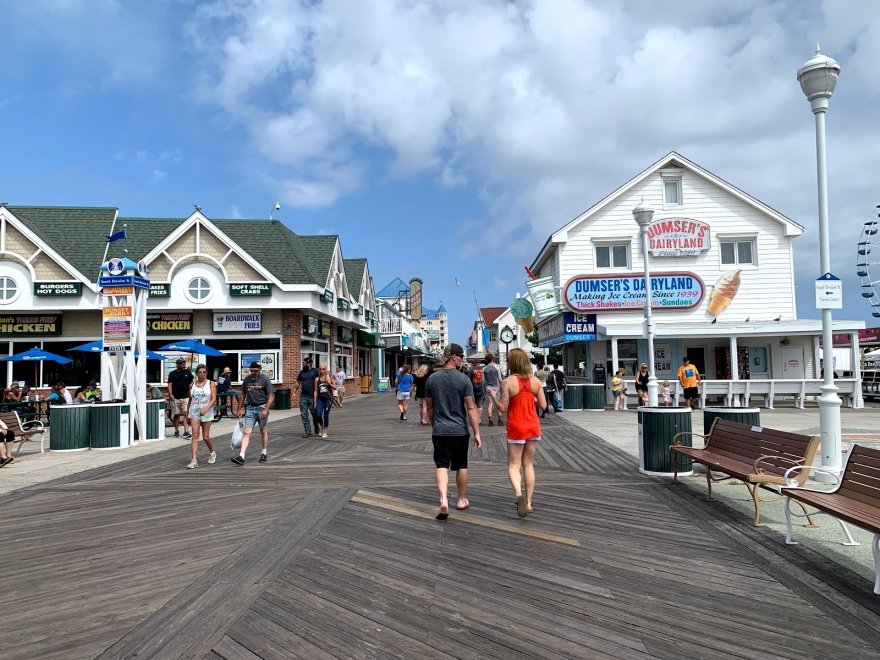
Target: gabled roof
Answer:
pixel 433 314
pixel 77 236
pixel 672 159
pixel 394 289
pixel 441 309
pixel 489 314
pixel 354 274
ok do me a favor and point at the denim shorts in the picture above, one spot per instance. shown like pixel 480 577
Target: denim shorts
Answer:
pixel 252 416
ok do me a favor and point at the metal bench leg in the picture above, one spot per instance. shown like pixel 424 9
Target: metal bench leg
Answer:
pixel 756 499
pixel 709 497
pixel 788 540
pixel 875 548
pixel 850 540
pixel 673 456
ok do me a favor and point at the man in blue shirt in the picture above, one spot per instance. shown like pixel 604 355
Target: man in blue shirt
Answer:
pixel 305 387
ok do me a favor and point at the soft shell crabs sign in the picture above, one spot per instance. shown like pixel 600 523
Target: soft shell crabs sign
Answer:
pixel 609 293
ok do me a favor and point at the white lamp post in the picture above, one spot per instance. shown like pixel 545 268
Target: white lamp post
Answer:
pixel 643 218
pixel 818 78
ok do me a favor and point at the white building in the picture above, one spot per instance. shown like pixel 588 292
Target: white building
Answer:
pixel 722 282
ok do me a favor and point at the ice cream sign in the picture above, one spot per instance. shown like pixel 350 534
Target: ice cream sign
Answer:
pixel 677 237
pixel 598 293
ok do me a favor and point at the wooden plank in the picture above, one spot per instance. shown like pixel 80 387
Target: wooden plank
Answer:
pixel 197 619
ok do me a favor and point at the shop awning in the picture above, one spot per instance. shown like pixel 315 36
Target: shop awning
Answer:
pixel 371 339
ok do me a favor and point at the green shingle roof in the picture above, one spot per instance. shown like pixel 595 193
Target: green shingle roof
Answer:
pixel 77 235
pixel 354 275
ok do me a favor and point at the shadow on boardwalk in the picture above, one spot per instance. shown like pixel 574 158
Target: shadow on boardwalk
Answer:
pixel 331 549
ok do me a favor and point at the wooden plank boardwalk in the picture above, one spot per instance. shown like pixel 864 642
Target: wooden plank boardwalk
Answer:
pixel 331 550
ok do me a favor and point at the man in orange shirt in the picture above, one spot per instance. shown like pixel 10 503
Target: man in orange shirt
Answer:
pixel 689 378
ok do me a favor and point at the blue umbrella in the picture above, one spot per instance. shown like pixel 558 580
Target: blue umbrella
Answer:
pixel 192 346
pixel 91 347
pixel 36 355
pixel 97 347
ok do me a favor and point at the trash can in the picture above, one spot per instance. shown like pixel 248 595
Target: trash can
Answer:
pixel 594 396
pixel 657 427
pixel 366 384
pixel 750 416
pixel 573 398
pixel 155 419
pixel 69 430
pixel 108 425
pixel 282 398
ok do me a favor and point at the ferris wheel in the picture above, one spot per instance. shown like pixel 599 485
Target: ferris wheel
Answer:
pixel 868 264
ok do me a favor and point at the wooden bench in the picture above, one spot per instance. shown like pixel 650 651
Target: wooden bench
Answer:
pixel 24 431
pixel 758 456
pixel 855 499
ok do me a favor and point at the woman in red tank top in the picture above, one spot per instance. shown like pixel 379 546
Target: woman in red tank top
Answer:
pixel 518 395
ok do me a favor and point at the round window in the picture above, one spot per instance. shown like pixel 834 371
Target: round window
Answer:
pixel 8 289
pixel 198 289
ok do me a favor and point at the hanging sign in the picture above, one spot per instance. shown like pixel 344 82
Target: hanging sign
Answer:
pixel 238 322
pixel 677 237
pixel 160 290
pixel 620 293
pixel 543 294
pixel 567 327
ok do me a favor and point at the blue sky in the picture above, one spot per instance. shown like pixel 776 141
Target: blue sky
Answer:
pixel 439 139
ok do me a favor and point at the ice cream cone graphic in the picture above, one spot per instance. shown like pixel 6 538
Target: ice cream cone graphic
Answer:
pixel 521 310
pixel 724 292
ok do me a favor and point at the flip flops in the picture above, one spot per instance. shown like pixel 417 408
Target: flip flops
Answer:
pixel 467 505
pixel 443 514
pixel 522 507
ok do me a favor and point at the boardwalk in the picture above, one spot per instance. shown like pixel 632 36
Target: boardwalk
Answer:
pixel 331 550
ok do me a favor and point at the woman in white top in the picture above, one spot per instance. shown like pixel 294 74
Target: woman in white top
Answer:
pixel 202 397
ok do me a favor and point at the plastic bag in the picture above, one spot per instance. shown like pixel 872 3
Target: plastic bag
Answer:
pixel 237 434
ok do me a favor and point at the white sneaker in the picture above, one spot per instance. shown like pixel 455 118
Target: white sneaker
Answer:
pixel 323 435
pixel 212 458
pixel 192 464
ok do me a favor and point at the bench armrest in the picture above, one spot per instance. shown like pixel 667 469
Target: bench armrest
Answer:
pixel 33 425
pixel 677 443
pixel 792 483
pixel 778 459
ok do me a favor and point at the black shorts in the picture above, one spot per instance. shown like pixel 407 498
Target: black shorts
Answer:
pixel 451 451
pixel 691 393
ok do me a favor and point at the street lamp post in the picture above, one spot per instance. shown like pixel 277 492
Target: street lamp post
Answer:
pixel 818 78
pixel 643 217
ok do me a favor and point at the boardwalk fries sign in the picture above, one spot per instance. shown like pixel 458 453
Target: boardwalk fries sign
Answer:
pixel 619 293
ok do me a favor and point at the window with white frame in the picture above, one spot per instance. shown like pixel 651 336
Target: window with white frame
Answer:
pixel 671 192
pixel 612 255
pixel 737 251
pixel 198 289
pixel 8 289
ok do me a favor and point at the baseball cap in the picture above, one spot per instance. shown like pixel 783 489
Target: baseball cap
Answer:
pixel 307 359
pixel 256 365
pixel 451 350
pixel 180 361
pixel 93 383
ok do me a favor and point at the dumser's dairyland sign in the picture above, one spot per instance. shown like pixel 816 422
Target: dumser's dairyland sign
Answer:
pixel 677 237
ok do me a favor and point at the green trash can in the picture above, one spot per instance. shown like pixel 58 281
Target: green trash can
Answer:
pixel 69 429
pixel 282 398
pixel 750 416
pixel 594 397
pixel 657 427
pixel 155 419
pixel 573 398
pixel 108 425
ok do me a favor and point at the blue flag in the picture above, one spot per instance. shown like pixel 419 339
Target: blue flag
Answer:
pixel 115 237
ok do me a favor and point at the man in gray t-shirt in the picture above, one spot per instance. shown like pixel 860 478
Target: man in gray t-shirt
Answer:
pixel 449 396
pixel 256 398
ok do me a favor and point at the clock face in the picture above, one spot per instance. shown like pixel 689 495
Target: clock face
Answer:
pixel 506 336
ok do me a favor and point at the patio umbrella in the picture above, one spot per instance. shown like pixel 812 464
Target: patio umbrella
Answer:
pixel 97 347
pixel 192 346
pixel 36 355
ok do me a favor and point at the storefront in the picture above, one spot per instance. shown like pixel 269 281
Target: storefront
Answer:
pixel 264 302
pixel 722 283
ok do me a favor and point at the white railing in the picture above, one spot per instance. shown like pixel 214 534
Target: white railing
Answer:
pixel 391 326
pixel 738 393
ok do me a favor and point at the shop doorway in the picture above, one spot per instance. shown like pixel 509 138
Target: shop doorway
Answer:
pixel 792 361
pixel 697 356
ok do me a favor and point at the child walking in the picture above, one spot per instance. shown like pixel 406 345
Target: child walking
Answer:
pixel 666 393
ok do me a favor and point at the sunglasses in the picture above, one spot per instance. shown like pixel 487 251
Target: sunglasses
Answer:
pixel 201 371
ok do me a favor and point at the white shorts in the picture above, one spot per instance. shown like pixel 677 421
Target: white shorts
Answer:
pixel 403 396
